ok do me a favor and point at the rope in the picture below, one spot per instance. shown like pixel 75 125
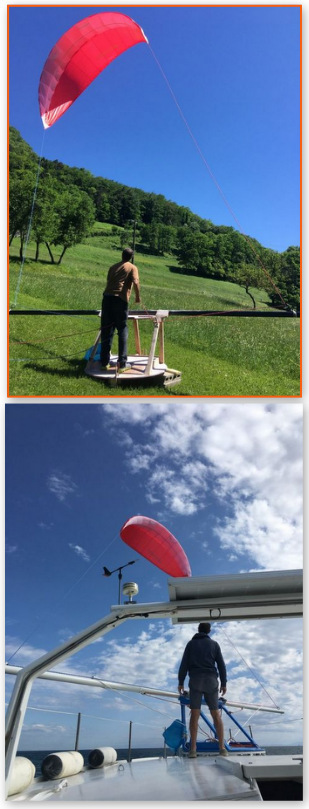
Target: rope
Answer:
pixel 51 339
pixel 138 701
pixel 87 715
pixel 29 225
pixel 64 596
pixel 48 359
pixel 215 181
pixel 249 667
pixel 244 724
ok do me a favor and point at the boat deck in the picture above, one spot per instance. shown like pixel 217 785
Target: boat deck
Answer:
pixel 265 768
pixel 156 779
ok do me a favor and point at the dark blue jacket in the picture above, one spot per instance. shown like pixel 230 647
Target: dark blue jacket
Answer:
pixel 202 655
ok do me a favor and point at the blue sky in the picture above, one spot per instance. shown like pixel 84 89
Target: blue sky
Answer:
pixel 225 478
pixel 235 74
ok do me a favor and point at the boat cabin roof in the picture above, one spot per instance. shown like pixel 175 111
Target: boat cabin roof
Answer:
pixel 267 594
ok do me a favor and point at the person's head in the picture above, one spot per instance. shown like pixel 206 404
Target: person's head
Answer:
pixel 204 628
pixel 127 254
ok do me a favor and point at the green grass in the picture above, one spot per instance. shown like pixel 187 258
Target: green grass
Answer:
pixel 217 356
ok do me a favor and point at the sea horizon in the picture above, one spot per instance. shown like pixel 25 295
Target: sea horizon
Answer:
pixel 38 756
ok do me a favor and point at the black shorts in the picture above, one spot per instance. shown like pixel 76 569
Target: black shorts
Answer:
pixel 207 686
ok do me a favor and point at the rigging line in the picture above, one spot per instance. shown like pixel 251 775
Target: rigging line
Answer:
pixel 278 722
pixel 86 715
pixel 124 721
pixel 220 312
pixel 58 337
pixel 210 172
pixel 244 724
pixel 250 669
pixel 48 359
pixel 29 225
pixel 62 598
pixel 134 699
pixel 51 339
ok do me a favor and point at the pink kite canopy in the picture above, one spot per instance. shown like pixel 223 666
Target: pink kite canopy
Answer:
pixel 79 56
pixel 152 540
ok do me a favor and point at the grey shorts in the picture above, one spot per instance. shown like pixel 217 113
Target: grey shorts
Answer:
pixel 204 686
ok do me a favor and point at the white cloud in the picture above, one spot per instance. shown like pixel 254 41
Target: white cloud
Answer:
pixel 267 536
pixel 45 526
pixel 249 456
pixel 264 664
pixel 26 654
pixel 48 730
pixel 79 551
pixel 61 485
pixel 264 660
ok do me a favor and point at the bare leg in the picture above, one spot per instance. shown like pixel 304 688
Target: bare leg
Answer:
pixel 195 714
pixel 216 715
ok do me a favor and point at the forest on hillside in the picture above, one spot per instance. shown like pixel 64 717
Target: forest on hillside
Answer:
pixel 70 200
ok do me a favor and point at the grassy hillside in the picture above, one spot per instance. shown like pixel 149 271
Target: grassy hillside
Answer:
pixel 217 356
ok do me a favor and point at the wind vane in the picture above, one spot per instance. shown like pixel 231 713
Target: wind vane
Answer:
pixel 108 572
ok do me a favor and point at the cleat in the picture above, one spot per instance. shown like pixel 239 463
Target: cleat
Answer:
pixel 223 752
pixel 192 754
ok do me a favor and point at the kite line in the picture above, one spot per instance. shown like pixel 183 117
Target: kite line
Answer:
pixel 29 225
pixel 214 179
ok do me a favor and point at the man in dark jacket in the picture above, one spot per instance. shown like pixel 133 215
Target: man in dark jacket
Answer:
pixel 202 660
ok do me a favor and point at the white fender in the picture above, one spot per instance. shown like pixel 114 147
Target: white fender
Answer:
pixel 59 765
pixel 23 773
pixel 101 756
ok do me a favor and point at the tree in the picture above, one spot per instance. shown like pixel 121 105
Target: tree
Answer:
pixel 187 249
pixel 22 187
pixel 75 215
pixel 124 238
pixel 288 279
pixel 129 208
pixel 103 208
pixel 45 216
pixel 62 215
pixel 248 276
pixel 166 238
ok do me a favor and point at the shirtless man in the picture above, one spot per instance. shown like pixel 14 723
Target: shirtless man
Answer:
pixel 120 280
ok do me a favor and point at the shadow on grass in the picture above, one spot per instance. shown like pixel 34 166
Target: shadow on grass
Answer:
pixel 76 370
pixel 31 260
pixel 232 303
pixel 186 271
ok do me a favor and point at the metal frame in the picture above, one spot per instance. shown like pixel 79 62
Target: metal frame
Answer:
pixel 95 682
pixel 187 609
pixel 171 312
pixel 213 745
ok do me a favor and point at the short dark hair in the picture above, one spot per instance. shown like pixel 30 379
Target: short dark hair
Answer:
pixel 127 254
pixel 204 628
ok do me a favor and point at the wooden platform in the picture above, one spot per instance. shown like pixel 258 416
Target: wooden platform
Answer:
pixel 134 374
pixel 147 369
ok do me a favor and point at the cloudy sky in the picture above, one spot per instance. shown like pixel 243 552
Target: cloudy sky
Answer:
pixel 224 478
